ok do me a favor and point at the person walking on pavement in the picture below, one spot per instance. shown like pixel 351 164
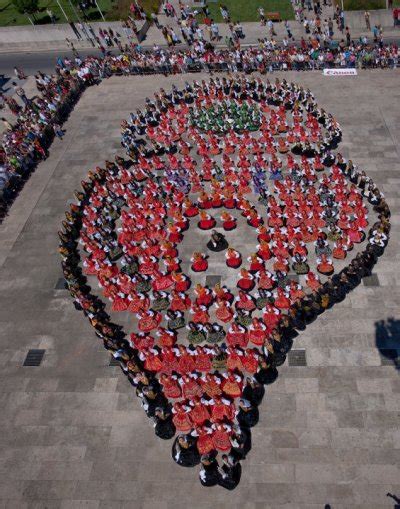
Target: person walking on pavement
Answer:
pixel 367 17
pixel 154 19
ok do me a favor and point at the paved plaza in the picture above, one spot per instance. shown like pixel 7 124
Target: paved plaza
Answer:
pixel 73 434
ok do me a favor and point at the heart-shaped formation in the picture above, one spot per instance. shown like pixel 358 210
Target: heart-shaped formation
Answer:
pixel 251 158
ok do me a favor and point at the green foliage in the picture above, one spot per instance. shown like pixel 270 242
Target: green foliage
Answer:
pixel 26 6
pixel 362 5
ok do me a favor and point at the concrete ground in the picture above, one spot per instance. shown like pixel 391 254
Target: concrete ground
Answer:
pixel 73 434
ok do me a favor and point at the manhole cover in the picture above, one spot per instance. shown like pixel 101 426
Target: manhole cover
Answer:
pixel 211 281
pixel 297 358
pixel 34 357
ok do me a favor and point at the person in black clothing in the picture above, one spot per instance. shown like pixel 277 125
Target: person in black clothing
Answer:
pixel 217 242
pixel 184 451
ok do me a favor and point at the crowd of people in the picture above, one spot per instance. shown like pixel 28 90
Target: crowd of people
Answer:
pixel 199 356
pixel 38 119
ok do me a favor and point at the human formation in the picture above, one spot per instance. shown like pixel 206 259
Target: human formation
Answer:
pixel 199 356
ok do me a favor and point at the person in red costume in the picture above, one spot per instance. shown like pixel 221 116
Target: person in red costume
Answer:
pixel 171 386
pixel 181 281
pixel 233 258
pixel 339 250
pixel 222 408
pixel 266 280
pixel 179 301
pixel 223 311
pixel 206 222
pixel 282 301
pixel 204 296
pixel 148 320
pixel 324 265
pixel 222 293
pixel 200 314
pixel 189 208
pixel 256 263
pixel 271 316
pixel 246 281
pixel 221 437
pixel 228 221
pixel 232 385
pixel 166 337
pixel 204 442
pixel 181 417
pixel 244 301
pixel 199 414
pixel 199 262
pixel 313 281
pixel 263 250
pixel 237 335
pixel 258 331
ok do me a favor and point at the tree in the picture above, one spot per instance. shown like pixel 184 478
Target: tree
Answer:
pixel 26 7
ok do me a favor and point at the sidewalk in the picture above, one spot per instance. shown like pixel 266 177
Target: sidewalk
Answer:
pixel 46 37
pixel 49 37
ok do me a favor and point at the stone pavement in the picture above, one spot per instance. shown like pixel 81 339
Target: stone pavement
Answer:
pixel 73 434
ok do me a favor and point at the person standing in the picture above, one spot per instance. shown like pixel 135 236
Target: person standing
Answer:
pixel 288 31
pixel 225 13
pixel 271 30
pixel 19 73
pixel 155 20
pixel 330 27
pixel 214 30
pixel 261 13
pixel 348 36
pixel 367 17
pixel 51 15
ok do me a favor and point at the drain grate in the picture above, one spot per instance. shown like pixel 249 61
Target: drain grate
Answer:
pixel 34 357
pixel 61 284
pixel 389 357
pixel 297 358
pixel 211 281
pixel 371 280
pixel 113 362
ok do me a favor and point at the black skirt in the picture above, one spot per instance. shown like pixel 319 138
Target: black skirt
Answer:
pixel 165 428
pixel 248 419
pixel 185 457
pixel 221 245
pixel 231 478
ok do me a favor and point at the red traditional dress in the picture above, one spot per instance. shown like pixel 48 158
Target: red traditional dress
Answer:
pixel 237 335
pixel 244 301
pixel 324 265
pixel 206 222
pixel 257 332
pixel 233 258
pixel 246 281
pixel 228 221
pixel 312 281
pixel 224 311
pixel 181 418
pixel 148 320
pixel 271 316
pixel 170 386
pixel 199 262
pixel 232 386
